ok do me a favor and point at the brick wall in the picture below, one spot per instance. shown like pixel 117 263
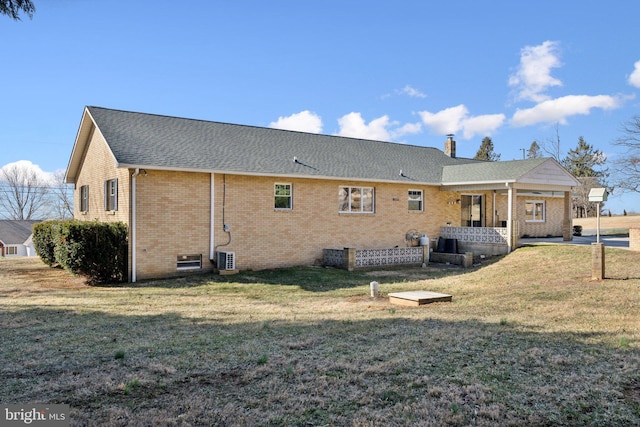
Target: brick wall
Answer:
pixel 98 165
pixel 264 237
pixel 554 215
pixel 172 218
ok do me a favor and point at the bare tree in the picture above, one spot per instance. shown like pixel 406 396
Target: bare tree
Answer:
pixel 552 146
pixel 627 167
pixel 23 194
pixel 61 197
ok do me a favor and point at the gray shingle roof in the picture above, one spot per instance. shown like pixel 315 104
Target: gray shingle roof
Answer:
pixel 171 143
pixel 489 171
pixel 14 232
pixel 148 140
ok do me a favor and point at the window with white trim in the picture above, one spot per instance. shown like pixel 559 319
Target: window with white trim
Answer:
pixel 12 250
pixel 534 211
pixel 415 200
pixel 283 196
pixel 355 199
pixel 84 198
pixel 111 195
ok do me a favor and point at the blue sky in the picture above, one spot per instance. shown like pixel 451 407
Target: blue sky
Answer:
pixel 404 71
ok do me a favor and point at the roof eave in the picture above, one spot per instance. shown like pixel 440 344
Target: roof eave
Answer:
pixel 471 183
pixel 86 130
pixel 273 174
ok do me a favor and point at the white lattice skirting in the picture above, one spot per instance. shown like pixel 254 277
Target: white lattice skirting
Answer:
pixel 391 256
pixel 375 257
pixel 485 235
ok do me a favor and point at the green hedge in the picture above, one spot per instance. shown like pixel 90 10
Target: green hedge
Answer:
pixel 97 250
pixel 43 241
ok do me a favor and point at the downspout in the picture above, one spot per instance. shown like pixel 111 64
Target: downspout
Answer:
pixel 225 227
pixel 509 217
pixel 211 220
pixel 133 224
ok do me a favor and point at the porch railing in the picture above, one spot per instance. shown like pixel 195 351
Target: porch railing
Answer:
pixel 482 235
pixel 350 258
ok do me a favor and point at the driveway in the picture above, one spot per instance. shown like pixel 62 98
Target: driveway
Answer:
pixel 613 241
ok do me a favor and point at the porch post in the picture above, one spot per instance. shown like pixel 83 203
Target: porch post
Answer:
pixel 567 223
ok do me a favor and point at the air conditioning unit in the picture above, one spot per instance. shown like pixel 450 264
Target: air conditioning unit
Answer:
pixel 226 260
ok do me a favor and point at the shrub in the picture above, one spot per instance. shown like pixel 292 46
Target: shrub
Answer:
pixel 577 230
pixel 43 241
pixel 97 250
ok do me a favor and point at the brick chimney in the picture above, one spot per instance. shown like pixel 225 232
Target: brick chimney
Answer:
pixel 450 146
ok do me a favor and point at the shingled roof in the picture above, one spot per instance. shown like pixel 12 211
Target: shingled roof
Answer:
pixel 150 141
pixel 489 171
pixel 163 142
pixel 15 232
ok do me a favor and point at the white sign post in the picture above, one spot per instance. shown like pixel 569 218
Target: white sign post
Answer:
pixel 597 195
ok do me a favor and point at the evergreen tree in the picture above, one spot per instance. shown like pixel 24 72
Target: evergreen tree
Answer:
pixel 485 152
pixel 12 8
pixel 535 152
pixel 587 164
pixel 585 161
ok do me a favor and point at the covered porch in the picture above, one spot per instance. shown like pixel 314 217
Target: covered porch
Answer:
pixel 497 206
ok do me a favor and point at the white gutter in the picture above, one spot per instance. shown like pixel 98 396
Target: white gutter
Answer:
pixel 274 175
pixel 211 219
pixel 133 225
pixel 509 217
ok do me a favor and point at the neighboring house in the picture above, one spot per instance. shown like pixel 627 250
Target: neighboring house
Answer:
pixel 16 238
pixel 190 188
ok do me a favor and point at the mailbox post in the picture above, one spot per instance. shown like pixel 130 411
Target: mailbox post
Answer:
pixel 597 195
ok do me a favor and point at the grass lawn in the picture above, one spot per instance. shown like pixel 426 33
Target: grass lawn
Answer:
pixel 529 339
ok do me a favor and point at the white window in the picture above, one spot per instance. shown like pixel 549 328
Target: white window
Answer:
pixel 534 211
pixel 84 198
pixel 12 250
pixel 355 199
pixel 415 200
pixel 283 196
pixel 111 195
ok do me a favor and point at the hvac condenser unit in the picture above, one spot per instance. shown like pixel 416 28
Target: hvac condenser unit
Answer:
pixel 226 260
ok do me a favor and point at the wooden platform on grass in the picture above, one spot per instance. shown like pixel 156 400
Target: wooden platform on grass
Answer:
pixel 416 298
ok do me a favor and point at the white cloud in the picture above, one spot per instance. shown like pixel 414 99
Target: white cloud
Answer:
pixel 559 109
pixel 304 121
pixel 354 126
pixel 634 78
pixel 412 92
pixel 445 121
pixel 456 119
pixel 407 129
pixel 482 125
pixel 533 76
pixel 28 167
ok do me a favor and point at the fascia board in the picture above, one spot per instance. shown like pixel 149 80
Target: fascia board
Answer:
pixel 266 174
